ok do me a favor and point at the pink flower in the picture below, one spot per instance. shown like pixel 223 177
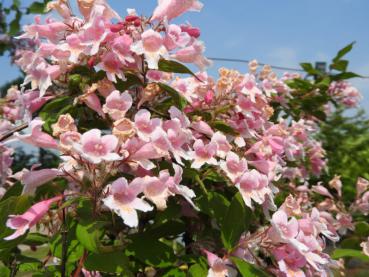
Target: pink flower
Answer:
pixel 156 189
pixel 219 267
pixel 290 261
pixel 145 125
pixel 253 185
pixel 92 101
pixel 361 186
pixel 336 184
pixel 203 154
pixel 21 223
pixel 169 9
pixel 176 188
pixel 112 65
pixel 35 178
pixel 193 54
pixel 123 200
pixel 93 34
pixel 37 137
pixel 117 104
pixel 223 145
pixel 365 246
pixel 121 46
pixel 175 37
pixel 96 148
pixel 233 166
pixel 321 190
pixel 61 7
pixel 151 46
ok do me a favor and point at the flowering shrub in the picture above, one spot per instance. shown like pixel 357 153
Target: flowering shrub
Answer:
pixel 162 171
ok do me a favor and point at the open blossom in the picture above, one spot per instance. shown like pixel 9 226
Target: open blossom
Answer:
pixel 233 166
pixel 64 124
pixel 203 154
pixel 290 260
pixel 223 145
pixel 169 9
pixel 96 148
pixel 37 137
pixel 253 186
pixel 145 125
pixel 219 267
pixel 151 46
pixel 21 223
pixel 193 54
pixel 35 178
pixel 123 200
pixel 117 104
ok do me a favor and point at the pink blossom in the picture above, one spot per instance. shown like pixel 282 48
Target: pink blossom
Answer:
pixel 145 125
pixel 61 7
pixel 290 261
pixel 233 166
pixel 203 154
pixel 193 54
pixel 117 104
pixel 321 190
pixel 151 46
pixel 35 178
pixel 92 101
pixel 169 9
pixel 96 148
pixel 175 37
pixel 121 46
pixel 112 65
pixel 253 185
pixel 37 137
pixel 361 186
pixel 219 267
pixel 365 246
pixel 21 223
pixel 223 146
pixel 123 200
pixel 156 189
pixel 192 31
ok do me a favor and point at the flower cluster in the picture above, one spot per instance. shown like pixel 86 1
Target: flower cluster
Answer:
pixel 163 134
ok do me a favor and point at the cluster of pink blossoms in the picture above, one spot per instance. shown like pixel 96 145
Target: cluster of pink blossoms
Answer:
pixel 255 157
pixel 345 94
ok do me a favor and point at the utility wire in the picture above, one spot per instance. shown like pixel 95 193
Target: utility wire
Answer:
pixel 247 61
pixel 272 66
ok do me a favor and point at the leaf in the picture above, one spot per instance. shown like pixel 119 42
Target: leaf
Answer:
pixel 179 101
pixel 235 222
pixel 362 229
pixel 308 67
pixel 175 67
pixel 215 205
pixel 88 234
pixel 345 75
pixel 36 8
pixel 151 251
pixel 113 262
pixel 223 127
pixel 14 26
pixel 14 190
pixel 4 271
pixel 248 270
pixel 175 272
pixel 340 65
pixel 36 239
pixel 352 253
pixel 131 80
pixel 343 52
pixel 198 270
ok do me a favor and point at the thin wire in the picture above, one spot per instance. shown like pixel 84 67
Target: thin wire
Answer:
pixel 247 61
pixel 272 66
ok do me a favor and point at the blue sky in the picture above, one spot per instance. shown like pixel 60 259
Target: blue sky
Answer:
pixel 283 32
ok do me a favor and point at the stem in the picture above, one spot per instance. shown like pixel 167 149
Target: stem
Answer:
pixel 11 132
pixel 80 264
pixel 64 245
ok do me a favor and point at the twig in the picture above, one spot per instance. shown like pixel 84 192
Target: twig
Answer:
pixel 80 264
pixel 64 234
pixel 11 132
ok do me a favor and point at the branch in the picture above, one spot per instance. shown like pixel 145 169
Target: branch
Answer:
pixel 64 233
pixel 11 132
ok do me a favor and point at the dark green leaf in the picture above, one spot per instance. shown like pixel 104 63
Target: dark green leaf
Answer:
pixel 175 67
pixel 308 67
pixel 14 26
pixel 235 222
pixel 178 100
pixel 88 234
pixel 343 52
pixel 36 8
pixel 362 228
pixel 223 127
pixel 113 262
pixel 345 75
pixel 131 81
pixel 248 270
pixel 340 65
pixel 198 270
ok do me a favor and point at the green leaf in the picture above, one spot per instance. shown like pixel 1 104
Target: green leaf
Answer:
pixel 362 229
pixel 340 65
pixel 235 222
pixel 175 67
pixel 350 253
pixel 198 270
pixel 4 271
pixel 215 205
pixel 179 101
pixel 345 75
pixel 88 234
pixel 36 239
pixel 223 127
pixel 175 272
pixel 131 81
pixel 343 52
pixel 113 262
pixel 36 8
pixel 151 251
pixel 248 270
pixel 14 26
pixel 14 190
pixel 308 67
